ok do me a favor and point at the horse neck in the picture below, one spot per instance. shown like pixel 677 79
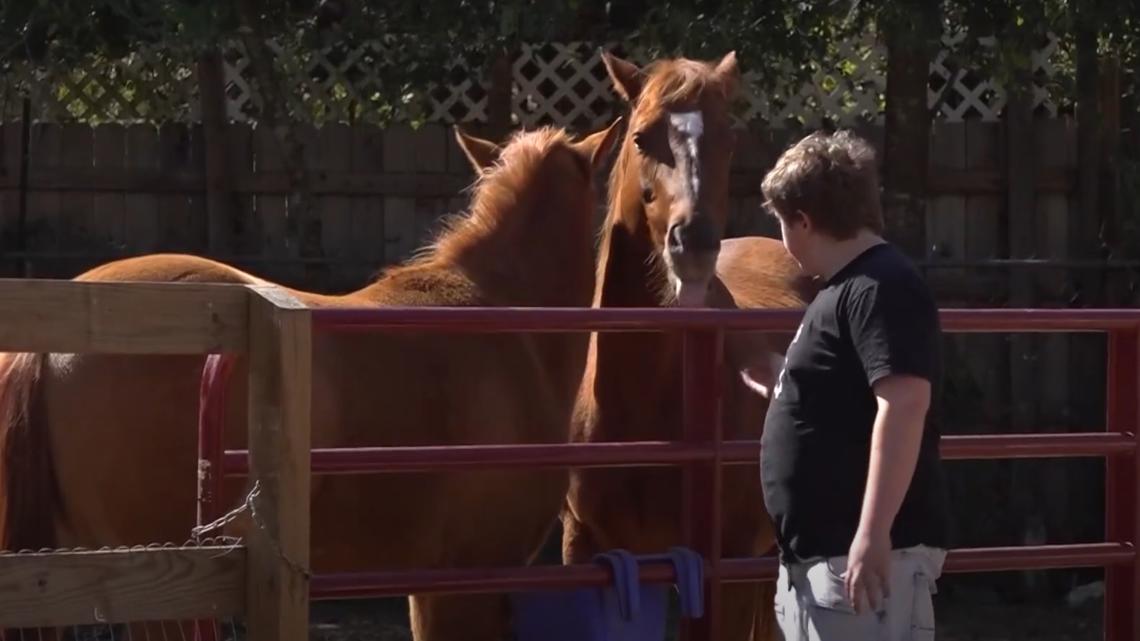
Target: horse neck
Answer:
pixel 511 259
pixel 635 378
pixel 532 270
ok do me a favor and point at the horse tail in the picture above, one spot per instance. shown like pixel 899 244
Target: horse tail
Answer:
pixel 30 498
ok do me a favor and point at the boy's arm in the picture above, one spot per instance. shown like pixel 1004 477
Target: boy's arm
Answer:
pixel 903 401
pixel 895 337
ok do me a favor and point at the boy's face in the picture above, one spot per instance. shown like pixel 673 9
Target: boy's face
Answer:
pixel 797 234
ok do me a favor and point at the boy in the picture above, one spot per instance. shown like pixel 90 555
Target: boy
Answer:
pixel 850 470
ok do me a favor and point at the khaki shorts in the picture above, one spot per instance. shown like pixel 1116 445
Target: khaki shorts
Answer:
pixel 812 604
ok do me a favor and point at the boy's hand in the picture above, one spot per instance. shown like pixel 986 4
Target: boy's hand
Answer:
pixel 760 377
pixel 757 364
pixel 868 576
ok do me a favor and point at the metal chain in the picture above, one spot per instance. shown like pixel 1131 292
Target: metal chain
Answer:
pixel 250 505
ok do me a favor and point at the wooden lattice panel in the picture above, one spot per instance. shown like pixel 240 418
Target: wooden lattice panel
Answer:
pixel 344 84
pixel 975 97
pixel 553 83
pixel 562 83
pixel 845 93
pixel 149 84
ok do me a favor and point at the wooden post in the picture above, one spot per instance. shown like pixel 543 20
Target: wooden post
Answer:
pixel 499 105
pixel 1115 288
pixel 1021 207
pixel 218 230
pixel 280 347
pixel 906 140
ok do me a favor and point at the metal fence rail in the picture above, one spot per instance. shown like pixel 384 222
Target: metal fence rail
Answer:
pixel 703 452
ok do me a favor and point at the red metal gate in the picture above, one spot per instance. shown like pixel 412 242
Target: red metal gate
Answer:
pixel 702 451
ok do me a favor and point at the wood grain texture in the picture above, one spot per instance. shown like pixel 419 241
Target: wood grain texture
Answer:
pixel 280 333
pixel 119 586
pixel 128 318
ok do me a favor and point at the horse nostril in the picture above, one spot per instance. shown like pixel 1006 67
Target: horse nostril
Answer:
pixel 697 236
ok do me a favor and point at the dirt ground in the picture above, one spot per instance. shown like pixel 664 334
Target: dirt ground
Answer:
pixel 959 619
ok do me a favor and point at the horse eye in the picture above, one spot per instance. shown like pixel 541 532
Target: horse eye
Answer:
pixel 639 140
pixel 647 194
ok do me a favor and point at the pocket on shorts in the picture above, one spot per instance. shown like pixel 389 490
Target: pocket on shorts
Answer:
pixel 826 585
pixel 922 611
pixel 830 614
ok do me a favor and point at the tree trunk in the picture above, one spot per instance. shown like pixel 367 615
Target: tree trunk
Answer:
pixel 911 43
pixel 304 227
pixel 1085 225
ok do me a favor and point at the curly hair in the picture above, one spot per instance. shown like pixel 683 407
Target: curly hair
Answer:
pixel 831 177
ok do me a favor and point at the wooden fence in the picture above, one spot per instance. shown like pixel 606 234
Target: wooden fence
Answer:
pixel 88 194
pixel 119 586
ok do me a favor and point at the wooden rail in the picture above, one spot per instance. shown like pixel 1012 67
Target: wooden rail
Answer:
pixel 66 588
pixel 124 318
pixel 49 589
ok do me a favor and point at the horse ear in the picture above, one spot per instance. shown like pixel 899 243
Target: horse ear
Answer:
pixel 626 76
pixel 728 70
pixel 598 145
pixel 481 153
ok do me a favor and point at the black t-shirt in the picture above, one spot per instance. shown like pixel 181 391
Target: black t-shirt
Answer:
pixel 874 317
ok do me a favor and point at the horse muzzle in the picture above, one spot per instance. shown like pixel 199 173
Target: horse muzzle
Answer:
pixel 691 251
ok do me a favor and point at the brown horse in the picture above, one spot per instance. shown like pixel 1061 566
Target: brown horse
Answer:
pixel 100 450
pixel 661 246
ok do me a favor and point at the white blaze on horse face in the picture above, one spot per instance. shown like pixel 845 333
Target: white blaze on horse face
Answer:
pixel 690 124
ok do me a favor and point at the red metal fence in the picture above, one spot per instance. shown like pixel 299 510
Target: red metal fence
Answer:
pixel 702 451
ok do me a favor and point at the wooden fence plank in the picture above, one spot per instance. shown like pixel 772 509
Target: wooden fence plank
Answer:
pixel 270 210
pixel 211 81
pixel 246 227
pixel 120 586
pixel 141 215
pixel 983 211
pixel 10 168
pixel 76 152
pixel 298 223
pixel 280 439
pixel 426 184
pixel 177 227
pixel 988 361
pixel 368 220
pixel 335 157
pixel 198 217
pixel 1053 285
pixel 43 216
pixel 946 213
pixel 107 219
pixel 161 318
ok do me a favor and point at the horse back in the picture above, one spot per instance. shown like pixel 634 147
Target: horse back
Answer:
pixel 760 273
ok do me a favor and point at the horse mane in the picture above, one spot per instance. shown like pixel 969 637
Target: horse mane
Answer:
pixel 497 190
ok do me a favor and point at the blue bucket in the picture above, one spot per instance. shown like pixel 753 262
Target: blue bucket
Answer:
pixel 624 611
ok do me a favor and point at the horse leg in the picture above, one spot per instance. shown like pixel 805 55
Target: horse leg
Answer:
pixel 739 608
pixel 764 626
pixel 458 617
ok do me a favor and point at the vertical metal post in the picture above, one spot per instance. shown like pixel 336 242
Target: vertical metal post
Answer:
pixel 1122 414
pixel 211 414
pixel 211 417
pixel 701 394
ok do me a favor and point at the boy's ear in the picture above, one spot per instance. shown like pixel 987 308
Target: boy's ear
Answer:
pixel 802 218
